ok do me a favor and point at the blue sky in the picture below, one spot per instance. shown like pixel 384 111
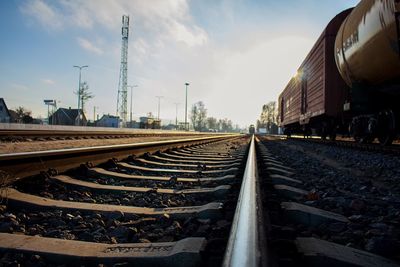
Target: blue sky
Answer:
pixel 237 55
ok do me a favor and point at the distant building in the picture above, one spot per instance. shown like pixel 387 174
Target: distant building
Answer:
pixel 67 116
pixel 108 121
pixel 5 115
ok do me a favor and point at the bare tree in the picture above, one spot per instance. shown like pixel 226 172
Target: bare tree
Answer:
pixel 23 115
pixel 198 116
pixel 226 125
pixel 268 117
pixel 212 123
pixel 85 95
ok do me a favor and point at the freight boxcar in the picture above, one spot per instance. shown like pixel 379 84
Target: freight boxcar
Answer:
pixel 350 80
pixel 312 99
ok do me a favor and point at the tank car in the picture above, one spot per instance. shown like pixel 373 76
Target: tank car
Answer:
pixel 367 56
pixel 350 80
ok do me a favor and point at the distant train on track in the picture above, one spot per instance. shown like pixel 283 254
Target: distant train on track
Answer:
pixel 252 129
pixel 349 83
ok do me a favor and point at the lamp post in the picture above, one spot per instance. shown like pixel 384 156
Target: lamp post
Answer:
pixel 94 114
pixel 50 102
pixel 79 92
pixel 131 86
pixel 159 98
pixel 186 128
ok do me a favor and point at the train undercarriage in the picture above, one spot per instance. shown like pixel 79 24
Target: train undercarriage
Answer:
pixel 364 128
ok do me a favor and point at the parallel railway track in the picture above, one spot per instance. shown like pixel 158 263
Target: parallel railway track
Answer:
pixel 164 203
pixel 207 201
pixel 52 135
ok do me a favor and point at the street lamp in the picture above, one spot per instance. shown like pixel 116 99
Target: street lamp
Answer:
pixel 50 102
pixel 94 114
pixel 186 128
pixel 79 92
pixel 131 86
pixel 159 97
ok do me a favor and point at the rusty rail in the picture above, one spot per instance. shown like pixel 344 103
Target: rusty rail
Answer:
pixel 19 165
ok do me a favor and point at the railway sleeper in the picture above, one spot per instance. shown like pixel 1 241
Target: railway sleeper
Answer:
pixel 172 179
pixel 19 200
pixel 218 191
pixel 182 160
pixel 185 252
pixel 197 158
pixel 290 246
pixel 200 166
pixel 185 171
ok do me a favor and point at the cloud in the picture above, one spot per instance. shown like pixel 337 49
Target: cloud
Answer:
pixel 46 15
pixel 194 37
pixel 89 46
pixel 160 20
pixel 48 81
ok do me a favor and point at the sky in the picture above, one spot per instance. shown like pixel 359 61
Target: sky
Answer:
pixel 237 55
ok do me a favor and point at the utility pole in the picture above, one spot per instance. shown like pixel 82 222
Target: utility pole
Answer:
pixel 131 86
pixel 159 98
pixel 176 115
pixel 186 128
pixel 79 92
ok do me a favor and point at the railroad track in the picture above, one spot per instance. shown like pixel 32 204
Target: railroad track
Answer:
pixel 200 202
pixel 169 203
pixel 53 135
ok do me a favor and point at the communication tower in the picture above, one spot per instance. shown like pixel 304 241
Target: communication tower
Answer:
pixel 122 101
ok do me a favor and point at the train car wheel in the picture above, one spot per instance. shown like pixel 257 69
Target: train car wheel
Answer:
pixel 387 127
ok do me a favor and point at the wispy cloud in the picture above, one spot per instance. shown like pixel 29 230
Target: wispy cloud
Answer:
pixel 191 37
pixel 162 20
pixel 89 46
pixel 46 15
pixel 48 81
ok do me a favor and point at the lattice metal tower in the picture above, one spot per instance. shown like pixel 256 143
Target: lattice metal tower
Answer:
pixel 122 101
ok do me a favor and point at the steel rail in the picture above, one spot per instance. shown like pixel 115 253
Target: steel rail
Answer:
pixel 20 165
pixel 56 133
pixel 243 246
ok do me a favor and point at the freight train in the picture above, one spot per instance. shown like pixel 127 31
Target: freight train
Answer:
pixel 349 83
pixel 252 129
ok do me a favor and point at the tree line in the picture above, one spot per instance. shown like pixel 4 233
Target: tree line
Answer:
pixel 202 123
pixel 268 118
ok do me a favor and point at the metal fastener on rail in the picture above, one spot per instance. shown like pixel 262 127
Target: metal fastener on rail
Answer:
pixel 243 248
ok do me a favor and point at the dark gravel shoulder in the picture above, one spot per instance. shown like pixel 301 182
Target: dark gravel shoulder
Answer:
pixel 363 186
